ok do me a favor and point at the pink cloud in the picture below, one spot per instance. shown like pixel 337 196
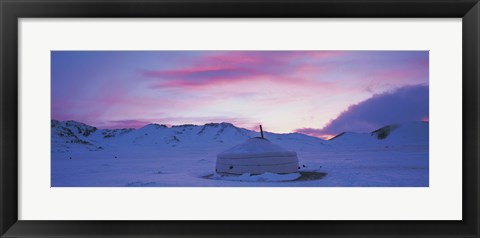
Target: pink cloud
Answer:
pixel 230 67
pixel 198 77
pixel 186 72
pixel 120 124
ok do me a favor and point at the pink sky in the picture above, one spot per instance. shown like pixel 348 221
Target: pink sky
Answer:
pixel 282 90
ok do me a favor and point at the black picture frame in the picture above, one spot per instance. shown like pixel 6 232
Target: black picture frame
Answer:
pixel 12 10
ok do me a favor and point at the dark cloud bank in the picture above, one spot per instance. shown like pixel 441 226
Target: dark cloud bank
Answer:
pixel 405 104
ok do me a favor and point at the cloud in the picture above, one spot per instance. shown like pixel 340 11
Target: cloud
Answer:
pixel 120 124
pixel 200 120
pixel 198 76
pixel 220 68
pixel 180 120
pixel 409 103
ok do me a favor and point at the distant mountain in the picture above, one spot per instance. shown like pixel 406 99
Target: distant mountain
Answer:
pixel 68 135
pixel 71 135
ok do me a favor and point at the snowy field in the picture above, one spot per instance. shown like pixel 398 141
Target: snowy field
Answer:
pixel 184 156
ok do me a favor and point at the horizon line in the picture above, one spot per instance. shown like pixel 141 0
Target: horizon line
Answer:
pixel 326 137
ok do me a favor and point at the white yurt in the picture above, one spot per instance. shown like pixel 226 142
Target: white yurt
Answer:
pixel 256 156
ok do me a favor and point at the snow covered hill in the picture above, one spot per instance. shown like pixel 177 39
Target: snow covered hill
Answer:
pixel 72 135
pixel 67 135
pixel 185 155
pixel 395 135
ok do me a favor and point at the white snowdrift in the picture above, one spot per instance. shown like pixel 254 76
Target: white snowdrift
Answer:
pixel 265 177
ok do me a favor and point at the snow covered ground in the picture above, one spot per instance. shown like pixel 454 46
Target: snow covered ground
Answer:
pixel 184 156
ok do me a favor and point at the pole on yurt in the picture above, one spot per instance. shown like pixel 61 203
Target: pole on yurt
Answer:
pixel 261 130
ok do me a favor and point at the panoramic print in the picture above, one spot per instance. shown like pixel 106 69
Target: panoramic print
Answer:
pixel 239 119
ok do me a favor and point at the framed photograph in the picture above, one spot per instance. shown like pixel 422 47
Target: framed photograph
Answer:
pixel 240 118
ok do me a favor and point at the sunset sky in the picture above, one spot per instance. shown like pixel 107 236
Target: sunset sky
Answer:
pixel 320 93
